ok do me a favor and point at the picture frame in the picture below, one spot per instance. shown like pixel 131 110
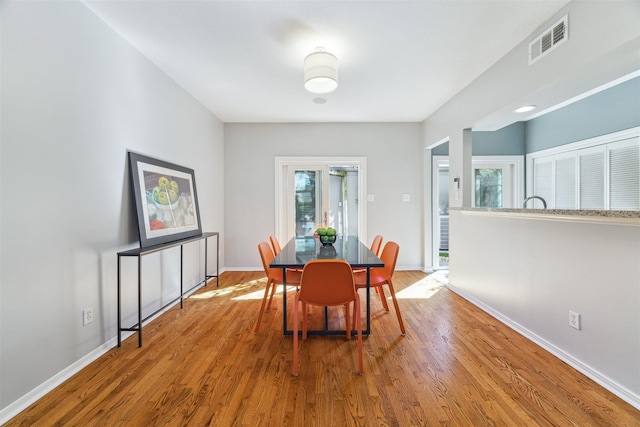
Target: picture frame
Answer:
pixel 166 200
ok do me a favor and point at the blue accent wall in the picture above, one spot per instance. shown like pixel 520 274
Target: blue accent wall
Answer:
pixel 612 110
pixel 440 150
pixel 508 141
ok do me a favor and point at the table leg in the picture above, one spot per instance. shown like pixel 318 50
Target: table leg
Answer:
pixel 284 301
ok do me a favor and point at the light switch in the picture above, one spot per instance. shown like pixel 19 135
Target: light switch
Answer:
pixel 370 198
pixel 406 197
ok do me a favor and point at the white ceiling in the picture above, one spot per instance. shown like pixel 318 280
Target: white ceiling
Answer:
pixel 399 61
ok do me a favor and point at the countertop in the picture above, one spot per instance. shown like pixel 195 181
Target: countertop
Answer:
pixel 628 217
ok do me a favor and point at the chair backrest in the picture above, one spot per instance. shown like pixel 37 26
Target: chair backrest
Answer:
pixel 390 256
pixel 375 244
pixel 267 256
pixel 327 282
pixel 275 244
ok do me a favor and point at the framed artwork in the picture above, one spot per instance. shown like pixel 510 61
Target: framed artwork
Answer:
pixel 166 200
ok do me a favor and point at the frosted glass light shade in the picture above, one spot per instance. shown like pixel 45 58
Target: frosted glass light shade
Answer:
pixel 320 72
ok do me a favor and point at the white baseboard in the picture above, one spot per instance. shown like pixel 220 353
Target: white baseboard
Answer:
pixel 615 388
pixel 34 395
pixel 245 269
pixel 28 399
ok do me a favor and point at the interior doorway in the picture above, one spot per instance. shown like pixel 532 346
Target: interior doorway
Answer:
pixel 498 182
pixel 440 215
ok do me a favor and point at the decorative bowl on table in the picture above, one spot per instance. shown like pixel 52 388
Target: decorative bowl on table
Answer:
pixel 327 239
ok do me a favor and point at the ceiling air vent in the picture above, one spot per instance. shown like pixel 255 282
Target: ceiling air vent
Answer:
pixel 554 36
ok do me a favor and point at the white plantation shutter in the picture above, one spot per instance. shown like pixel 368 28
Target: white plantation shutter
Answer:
pixel 592 178
pixel 598 174
pixel 542 181
pixel 565 180
pixel 624 174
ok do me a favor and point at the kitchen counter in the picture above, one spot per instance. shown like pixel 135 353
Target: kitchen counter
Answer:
pixel 595 216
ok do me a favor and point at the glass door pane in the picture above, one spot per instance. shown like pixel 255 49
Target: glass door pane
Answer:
pixel 307 201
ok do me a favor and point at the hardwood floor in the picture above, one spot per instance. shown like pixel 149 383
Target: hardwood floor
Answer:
pixel 203 365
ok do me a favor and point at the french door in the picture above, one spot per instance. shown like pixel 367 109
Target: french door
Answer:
pixel 320 192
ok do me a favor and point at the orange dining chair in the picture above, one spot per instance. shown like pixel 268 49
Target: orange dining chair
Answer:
pixel 382 275
pixel 376 243
pixel 327 282
pixel 375 248
pixel 274 278
pixel 275 244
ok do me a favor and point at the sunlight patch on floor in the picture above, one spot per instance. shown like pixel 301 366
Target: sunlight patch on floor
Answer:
pixel 422 289
pixel 238 287
pixel 259 294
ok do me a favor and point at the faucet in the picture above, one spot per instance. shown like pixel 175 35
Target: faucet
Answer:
pixel 524 204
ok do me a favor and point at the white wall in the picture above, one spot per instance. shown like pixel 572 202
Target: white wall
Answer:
pixel 394 167
pixel 531 272
pixel 75 98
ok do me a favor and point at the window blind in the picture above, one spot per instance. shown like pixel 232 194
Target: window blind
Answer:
pixel 624 175
pixel 565 183
pixel 543 181
pixel 592 179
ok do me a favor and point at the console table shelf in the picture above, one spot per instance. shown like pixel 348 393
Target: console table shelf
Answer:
pixel 141 252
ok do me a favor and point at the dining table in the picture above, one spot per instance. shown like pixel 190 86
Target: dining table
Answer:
pixel 300 250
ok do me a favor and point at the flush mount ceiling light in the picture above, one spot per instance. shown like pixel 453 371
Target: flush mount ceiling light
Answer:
pixel 525 108
pixel 320 71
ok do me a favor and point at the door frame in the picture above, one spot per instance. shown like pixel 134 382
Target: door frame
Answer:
pixel 282 188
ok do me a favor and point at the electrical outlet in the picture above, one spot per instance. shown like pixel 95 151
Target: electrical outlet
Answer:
pixel 87 316
pixel 574 320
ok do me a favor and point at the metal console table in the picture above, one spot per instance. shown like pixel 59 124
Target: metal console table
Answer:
pixel 139 252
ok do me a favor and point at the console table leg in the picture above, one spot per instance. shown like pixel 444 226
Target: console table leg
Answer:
pixel 181 278
pixel 119 309
pixel 139 301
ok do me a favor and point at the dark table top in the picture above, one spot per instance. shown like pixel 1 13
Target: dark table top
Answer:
pixel 299 250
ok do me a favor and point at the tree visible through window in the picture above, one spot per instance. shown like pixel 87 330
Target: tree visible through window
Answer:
pixel 488 188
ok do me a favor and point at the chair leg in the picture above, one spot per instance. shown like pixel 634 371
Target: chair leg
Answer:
pixel 273 291
pixel 346 320
pixel 383 297
pixel 355 308
pixel 358 322
pixel 264 300
pixel 295 336
pixel 395 304
pixel 305 319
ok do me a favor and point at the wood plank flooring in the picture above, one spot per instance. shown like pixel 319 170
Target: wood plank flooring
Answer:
pixel 203 366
